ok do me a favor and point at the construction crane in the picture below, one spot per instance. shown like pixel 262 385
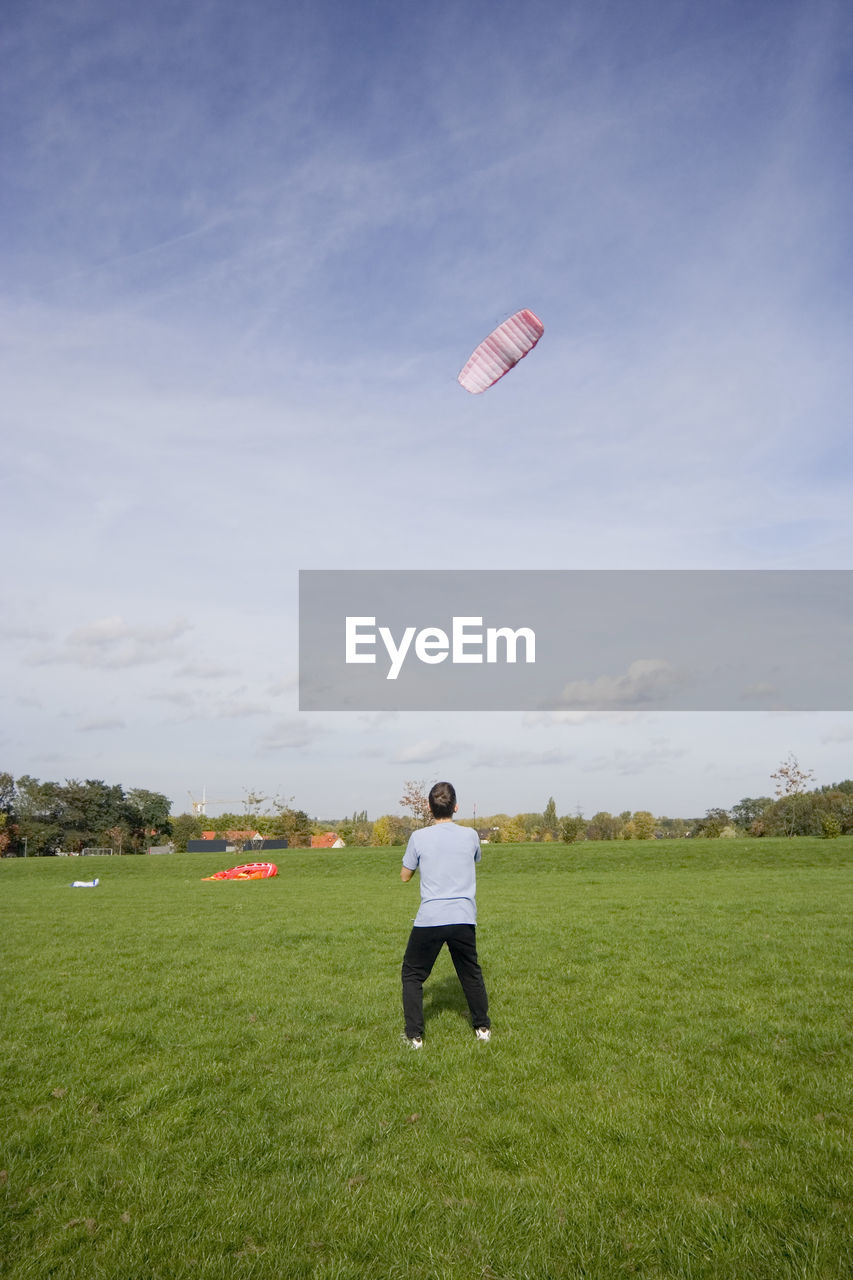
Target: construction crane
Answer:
pixel 199 806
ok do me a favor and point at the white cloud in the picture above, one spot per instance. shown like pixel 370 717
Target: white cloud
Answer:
pixel 546 719
pixel 204 671
pixel 838 733
pixel 112 644
pixel 428 751
pixel 626 762
pixel 281 687
pixel 646 680
pixel 760 692
pixel 237 705
pixel 511 757
pixel 236 709
pixel 179 697
pixel 24 631
pixel 376 719
pixel 290 734
pixel 104 725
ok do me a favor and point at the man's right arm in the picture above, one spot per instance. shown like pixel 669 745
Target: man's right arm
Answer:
pixel 406 872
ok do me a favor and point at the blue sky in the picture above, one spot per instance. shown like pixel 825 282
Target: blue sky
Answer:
pixel 246 250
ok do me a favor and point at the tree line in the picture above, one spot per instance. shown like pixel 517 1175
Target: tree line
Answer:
pixel 793 810
pixel 826 811
pixel 294 825
pixel 37 818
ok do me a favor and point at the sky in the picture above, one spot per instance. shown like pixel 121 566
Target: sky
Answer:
pixel 245 251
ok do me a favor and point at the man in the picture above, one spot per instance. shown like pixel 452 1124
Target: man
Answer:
pixel 445 855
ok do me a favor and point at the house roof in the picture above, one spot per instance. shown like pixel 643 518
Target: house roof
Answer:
pixel 325 841
pixel 231 835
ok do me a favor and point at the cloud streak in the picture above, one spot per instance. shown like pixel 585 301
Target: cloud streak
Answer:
pixel 429 751
pixel 647 680
pixel 105 725
pixel 113 644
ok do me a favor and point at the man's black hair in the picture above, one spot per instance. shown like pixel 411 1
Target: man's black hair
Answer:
pixel 442 800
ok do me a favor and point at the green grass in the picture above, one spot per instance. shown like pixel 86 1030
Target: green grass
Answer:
pixel 209 1080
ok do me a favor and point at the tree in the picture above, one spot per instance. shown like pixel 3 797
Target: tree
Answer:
pixel 356 830
pixel 7 812
pixel 7 794
pixel 416 800
pixel 532 823
pixel 45 816
pixel 573 828
pixel 390 829
pixel 713 824
pixel 382 831
pixel 749 810
pixel 672 827
pixel 146 816
pixel 603 826
pixel 494 824
pixel 791 782
pixel 225 822
pixel 39 812
pixel 186 826
pixel 550 822
pixel 294 825
pixel 88 810
pixel 837 801
pixel 254 802
pixel 644 824
pixel 512 832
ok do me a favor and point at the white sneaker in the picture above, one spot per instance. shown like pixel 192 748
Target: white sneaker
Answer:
pixel 483 1033
pixel 416 1043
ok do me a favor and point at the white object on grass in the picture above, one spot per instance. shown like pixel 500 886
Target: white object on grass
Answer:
pixel 84 884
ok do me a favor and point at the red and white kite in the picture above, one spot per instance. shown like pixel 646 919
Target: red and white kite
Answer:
pixel 501 351
pixel 248 871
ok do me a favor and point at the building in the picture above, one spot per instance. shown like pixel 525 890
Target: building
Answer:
pixel 328 840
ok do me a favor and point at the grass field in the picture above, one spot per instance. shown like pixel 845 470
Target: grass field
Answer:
pixel 210 1081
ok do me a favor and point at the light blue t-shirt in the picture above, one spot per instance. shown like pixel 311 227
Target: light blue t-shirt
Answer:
pixel 445 855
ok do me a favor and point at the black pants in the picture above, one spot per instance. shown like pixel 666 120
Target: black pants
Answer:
pixel 421 954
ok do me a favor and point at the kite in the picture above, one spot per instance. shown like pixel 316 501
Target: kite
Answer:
pixel 248 871
pixel 501 351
